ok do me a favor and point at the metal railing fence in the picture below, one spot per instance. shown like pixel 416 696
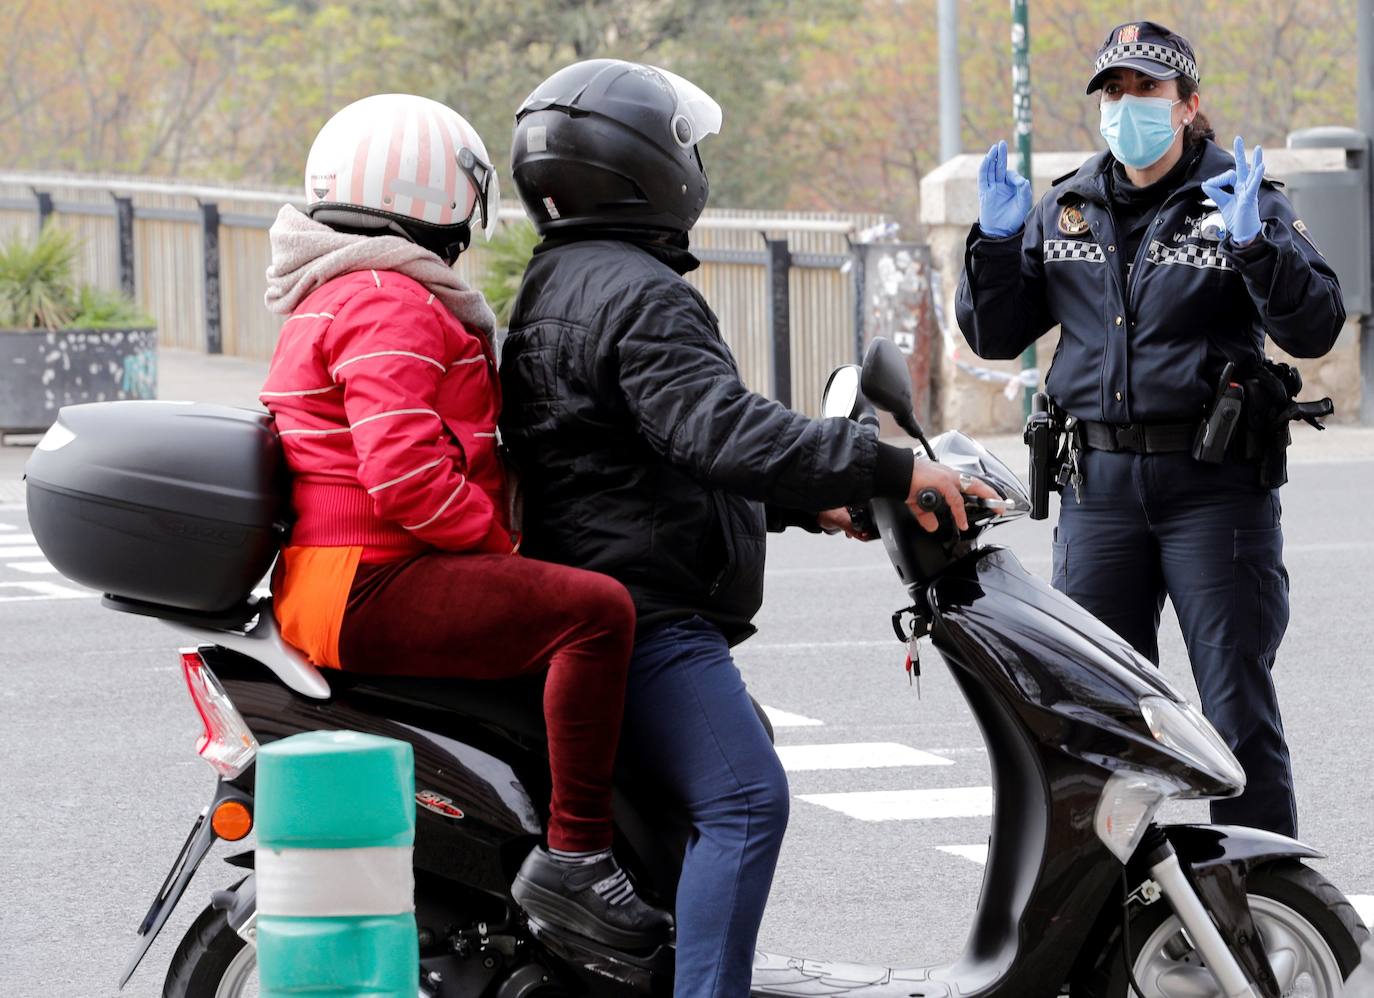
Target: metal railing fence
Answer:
pixel 194 256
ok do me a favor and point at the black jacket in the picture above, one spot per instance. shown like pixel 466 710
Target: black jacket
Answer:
pixel 640 452
pixel 1148 347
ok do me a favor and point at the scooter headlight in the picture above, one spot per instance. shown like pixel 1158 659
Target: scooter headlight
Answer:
pixel 1182 728
pixel 1128 804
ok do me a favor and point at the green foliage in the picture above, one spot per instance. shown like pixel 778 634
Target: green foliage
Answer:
pixel 829 105
pixel 100 308
pixel 503 265
pixel 37 290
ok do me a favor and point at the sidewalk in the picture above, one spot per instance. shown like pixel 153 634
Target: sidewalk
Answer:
pixel 193 376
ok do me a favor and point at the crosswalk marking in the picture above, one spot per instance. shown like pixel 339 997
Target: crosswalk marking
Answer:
pixel 31 567
pixel 908 805
pixel 974 853
pixel 786 719
pixel 24 592
pixel 855 755
pixel 1364 904
pixel 21 552
pixel 7 539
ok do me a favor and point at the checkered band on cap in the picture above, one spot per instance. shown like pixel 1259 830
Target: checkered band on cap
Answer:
pixel 1170 57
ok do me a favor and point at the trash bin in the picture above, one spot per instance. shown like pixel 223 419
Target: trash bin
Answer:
pixel 1334 208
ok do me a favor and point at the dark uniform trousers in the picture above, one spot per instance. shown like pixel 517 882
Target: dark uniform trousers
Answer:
pixel 1208 537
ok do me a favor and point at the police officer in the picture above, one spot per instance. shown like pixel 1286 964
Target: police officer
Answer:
pixel 1162 260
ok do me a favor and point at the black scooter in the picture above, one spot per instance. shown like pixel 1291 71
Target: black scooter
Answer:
pixel 1083 894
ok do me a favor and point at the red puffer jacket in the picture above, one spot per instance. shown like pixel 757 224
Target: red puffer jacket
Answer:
pixel 387 406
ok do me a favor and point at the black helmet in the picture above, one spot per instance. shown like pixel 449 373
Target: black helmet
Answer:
pixel 613 144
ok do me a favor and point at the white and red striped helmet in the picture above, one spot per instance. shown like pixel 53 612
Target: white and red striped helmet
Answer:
pixel 402 158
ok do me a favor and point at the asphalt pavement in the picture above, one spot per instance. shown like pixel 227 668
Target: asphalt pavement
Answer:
pixel 889 815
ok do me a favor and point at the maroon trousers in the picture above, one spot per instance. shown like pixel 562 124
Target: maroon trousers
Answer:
pixel 487 616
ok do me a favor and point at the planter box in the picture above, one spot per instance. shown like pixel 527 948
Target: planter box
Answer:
pixel 40 372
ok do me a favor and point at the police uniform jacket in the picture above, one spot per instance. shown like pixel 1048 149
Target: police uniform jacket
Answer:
pixel 1144 341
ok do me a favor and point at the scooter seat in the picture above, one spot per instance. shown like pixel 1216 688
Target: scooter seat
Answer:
pixel 515 705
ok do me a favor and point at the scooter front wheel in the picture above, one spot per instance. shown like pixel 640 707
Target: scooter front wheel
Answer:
pixel 1312 934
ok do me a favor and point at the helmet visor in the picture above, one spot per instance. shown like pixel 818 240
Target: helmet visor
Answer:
pixel 694 105
pixel 487 204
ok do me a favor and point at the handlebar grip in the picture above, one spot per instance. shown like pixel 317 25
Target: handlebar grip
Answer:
pixel 930 500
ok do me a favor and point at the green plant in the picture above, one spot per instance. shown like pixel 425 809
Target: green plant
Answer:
pixel 37 290
pixel 100 308
pixel 504 260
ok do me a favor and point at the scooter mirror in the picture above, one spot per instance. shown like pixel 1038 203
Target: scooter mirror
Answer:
pixel 886 382
pixel 841 396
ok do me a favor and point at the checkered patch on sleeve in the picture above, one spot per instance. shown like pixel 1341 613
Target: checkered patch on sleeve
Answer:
pixel 1188 254
pixel 1073 249
pixel 1172 58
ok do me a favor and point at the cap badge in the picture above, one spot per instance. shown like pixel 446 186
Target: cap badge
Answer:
pixel 1071 221
pixel 1128 34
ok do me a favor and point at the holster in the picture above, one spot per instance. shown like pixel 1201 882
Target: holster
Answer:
pixel 1043 435
pixel 1271 405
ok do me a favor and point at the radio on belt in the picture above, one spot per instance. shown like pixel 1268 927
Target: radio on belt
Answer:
pixel 1216 431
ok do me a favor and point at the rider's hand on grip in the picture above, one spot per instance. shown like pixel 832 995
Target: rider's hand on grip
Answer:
pixel 942 481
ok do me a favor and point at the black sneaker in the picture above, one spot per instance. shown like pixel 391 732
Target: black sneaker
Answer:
pixel 595 900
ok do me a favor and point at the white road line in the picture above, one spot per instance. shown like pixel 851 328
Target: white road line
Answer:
pixel 17 552
pixel 28 592
pixel 7 526
pixel 16 539
pixel 1364 904
pixel 975 853
pixel 908 805
pixel 787 719
pixel 855 755
pixel 31 567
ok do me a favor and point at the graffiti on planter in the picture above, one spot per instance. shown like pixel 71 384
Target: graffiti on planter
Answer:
pixel 70 367
pixel 140 375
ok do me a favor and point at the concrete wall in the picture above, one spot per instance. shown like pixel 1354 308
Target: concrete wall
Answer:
pixel 949 205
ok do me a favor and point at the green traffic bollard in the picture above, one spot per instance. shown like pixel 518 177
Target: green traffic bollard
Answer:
pixel 335 820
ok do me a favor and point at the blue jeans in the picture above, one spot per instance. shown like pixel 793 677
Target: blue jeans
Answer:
pixel 690 722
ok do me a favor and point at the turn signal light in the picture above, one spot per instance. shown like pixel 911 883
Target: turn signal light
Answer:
pixel 232 820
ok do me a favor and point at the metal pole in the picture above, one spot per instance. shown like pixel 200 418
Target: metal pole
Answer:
pixel 1021 107
pixel 858 259
pixel 214 331
pixel 1364 33
pixel 780 318
pixel 949 80
pixel 124 225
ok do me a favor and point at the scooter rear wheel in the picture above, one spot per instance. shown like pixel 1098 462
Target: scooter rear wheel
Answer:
pixel 1311 932
pixel 212 961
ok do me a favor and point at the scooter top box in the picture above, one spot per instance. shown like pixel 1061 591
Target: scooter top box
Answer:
pixel 181 504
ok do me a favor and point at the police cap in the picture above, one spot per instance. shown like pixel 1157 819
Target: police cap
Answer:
pixel 1147 48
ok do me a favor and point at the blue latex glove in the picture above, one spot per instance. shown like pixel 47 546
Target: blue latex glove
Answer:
pixel 1004 196
pixel 1239 210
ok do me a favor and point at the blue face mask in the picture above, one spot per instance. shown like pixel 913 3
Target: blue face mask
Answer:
pixel 1138 130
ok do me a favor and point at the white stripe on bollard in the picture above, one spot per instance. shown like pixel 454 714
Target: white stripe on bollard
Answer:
pixel 324 883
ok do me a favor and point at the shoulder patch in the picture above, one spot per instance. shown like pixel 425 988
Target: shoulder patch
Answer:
pixel 1300 227
pixel 1071 220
